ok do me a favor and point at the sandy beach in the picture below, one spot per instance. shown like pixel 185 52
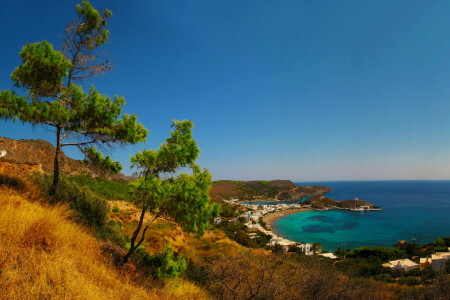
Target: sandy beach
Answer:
pixel 272 217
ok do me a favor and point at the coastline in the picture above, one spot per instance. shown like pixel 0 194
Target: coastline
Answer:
pixel 275 216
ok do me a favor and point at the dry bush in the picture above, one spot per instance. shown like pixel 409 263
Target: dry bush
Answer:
pixel 250 276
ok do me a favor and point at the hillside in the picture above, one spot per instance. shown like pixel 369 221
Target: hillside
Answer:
pixel 284 190
pixel 41 154
pixel 45 254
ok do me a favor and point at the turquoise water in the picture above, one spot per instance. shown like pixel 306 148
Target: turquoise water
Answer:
pixel 416 211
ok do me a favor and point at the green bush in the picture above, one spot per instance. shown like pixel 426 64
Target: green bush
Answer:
pixel 197 273
pixel 104 188
pixel 409 280
pixel 91 209
pixel 112 232
pixel 115 209
pixel 165 264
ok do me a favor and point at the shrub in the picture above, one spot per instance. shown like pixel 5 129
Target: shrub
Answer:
pixel 12 182
pixel 90 208
pixel 277 248
pixel 409 280
pixel 115 209
pixel 165 264
pixel 197 273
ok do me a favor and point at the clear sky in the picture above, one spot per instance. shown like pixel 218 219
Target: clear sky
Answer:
pixel 301 90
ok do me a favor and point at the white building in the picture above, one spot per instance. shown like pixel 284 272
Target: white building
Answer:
pixel 438 260
pixel 306 249
pixel 402 264
pixel 329 255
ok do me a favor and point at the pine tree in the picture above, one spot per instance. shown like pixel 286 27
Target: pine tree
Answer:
pixel 56 99
pixel 164 191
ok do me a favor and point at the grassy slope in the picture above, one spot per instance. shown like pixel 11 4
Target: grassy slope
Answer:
pixel 44 255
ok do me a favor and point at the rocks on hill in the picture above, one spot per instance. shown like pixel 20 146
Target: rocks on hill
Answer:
pixel 321 202
pixel 41 154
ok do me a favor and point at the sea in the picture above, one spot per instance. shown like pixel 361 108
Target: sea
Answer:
pixel 415 211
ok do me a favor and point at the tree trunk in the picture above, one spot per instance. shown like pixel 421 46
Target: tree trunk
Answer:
pixel 135 235
pixel 56 163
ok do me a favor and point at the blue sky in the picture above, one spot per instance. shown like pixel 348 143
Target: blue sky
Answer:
pixel 300 90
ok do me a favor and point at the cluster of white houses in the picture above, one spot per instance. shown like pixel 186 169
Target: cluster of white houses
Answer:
pixel 260 210
pixel 436 262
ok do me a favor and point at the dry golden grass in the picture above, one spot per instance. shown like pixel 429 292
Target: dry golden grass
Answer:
pixel 43 255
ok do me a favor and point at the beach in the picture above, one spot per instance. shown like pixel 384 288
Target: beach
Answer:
pixel 276 215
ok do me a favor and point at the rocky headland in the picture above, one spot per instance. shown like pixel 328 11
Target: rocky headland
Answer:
pixel 322 202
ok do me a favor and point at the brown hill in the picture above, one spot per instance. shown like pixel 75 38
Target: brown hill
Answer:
pixel 284 190
pixel 321 202
pixel 41 154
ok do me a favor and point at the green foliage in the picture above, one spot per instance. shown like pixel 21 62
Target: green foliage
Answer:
pixel 165 264
pixel 410 249
pixel 409 280
pixel 340 252
pixel 163 189
pixel 42 71
pixel 382 253
pixel 277 248
pixel 115 209
pixel 55 100
pixel 183 197
pixel 243 220
pixel 197 273
pixel 228 211
pixel 90 209
pixel 104 165
pixel 262 239
pixel 262 223
pixel 107 189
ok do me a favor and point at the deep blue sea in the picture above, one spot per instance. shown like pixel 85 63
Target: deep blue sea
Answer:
pixel 416 211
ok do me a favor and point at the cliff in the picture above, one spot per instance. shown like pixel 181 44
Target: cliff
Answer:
pixel 40 154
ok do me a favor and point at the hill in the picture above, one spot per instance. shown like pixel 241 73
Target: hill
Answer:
pixel 284 190
pixel 320 202
pixel 41 154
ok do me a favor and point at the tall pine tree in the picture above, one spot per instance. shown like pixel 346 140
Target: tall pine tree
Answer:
pixel 56 99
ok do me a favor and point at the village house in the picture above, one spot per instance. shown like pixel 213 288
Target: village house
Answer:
pixel 425 263
pixel 306 249
pixel 402 264
pixel 438 260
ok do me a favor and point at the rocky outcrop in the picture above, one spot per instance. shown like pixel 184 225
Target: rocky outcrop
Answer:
pixel 322 202
pixel 41 154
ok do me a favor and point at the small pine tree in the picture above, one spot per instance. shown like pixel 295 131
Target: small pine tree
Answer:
pixel 163 190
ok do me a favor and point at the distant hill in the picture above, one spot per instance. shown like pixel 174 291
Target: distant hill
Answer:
pixel 284 190
pixel 320 202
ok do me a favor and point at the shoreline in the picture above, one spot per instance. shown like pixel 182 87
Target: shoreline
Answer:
pixel 279 214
